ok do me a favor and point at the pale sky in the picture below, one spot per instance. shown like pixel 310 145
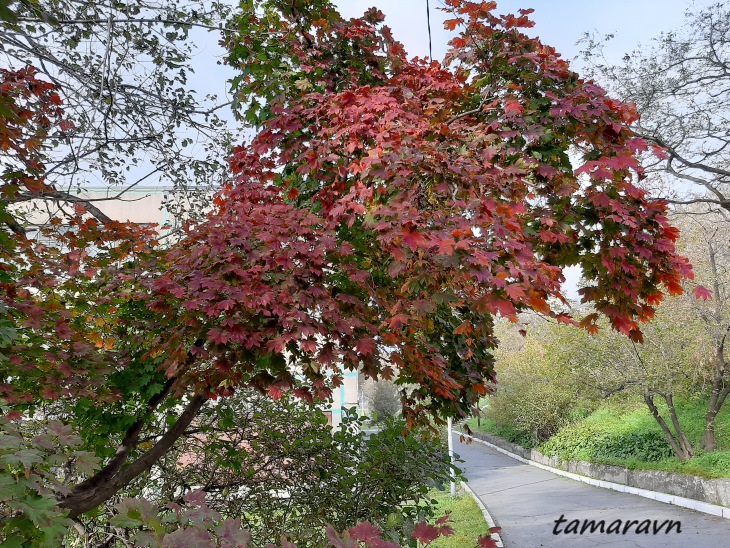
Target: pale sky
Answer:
pixel 559 23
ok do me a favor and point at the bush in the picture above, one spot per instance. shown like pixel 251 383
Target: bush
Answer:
pixel 279 468
pixel 649 446
pixel 538 392
pixel 576 442
pixel 513 435
pixel 251 467
pixel 593 442
pixel 529 409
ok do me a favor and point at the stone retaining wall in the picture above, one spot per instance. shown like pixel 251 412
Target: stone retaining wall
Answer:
pixel 712 491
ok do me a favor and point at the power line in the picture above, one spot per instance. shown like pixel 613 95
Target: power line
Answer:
pixel 428 23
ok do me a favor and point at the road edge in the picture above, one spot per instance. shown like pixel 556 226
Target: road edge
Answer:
pixel 699 506
pixel 485 512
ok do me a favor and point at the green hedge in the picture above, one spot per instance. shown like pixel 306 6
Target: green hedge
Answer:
pixel 593 442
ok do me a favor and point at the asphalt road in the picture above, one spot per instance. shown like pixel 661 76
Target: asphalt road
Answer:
pixel 527 502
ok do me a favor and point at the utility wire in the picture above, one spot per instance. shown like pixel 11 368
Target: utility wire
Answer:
pixel 428 24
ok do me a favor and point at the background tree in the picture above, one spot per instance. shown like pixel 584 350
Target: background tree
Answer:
pixel 561 374
pixel 684 347
pixel 682 355
pixel 672 362
pixel 538 391
pixel 679 84
pixel 706 242
pixel 383 399
pixel 132 115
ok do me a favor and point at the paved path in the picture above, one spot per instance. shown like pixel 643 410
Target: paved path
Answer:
pixel 526 501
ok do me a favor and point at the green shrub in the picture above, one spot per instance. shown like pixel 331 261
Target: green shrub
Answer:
pixel 578 441
pixel 530 409
pixel 513 435
pixel 607 441
pixel 277 466
pixel 650 446
pixel 538 391
pixel 582 411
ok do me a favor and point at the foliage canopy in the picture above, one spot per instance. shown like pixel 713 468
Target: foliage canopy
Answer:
pixel 386 211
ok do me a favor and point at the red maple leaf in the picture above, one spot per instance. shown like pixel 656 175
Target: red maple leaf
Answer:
pixel 486 541
pixel 516 292
pixel 425 533
pixel 364 531
pixel 365 346
pixel 196 498
pixel 512 105
pixel 413 239
pixel 398 321
pixel 701 292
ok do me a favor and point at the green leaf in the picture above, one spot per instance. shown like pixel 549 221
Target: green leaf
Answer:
pixel 127 520
pixel 25 457
pixel 41 510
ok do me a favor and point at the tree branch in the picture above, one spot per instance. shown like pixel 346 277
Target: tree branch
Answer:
pixel 84 499
pixel 673 153
pixel 130 441
pixel 61 22
pixel 16 227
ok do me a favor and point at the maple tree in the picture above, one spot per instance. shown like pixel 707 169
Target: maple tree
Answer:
pixel 70 355
pixel 452 183
pixel 30 108
pixel 386 212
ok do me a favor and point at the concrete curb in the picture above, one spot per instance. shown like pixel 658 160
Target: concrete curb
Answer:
pixel 699 506
pixel 487 516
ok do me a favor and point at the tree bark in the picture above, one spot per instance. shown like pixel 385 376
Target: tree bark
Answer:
pixel 684 443
pixel 717 399
pixel 131 438
pixel 100 488
pixel 720 390
pixel 676 447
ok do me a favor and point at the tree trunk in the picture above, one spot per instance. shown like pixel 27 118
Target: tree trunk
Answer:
pixel 677 447
pixel 684 443
pixel 717 400
pixel 129 442
pixel 108 482
pixel 719 390
pixel 709 442
pixel 718 395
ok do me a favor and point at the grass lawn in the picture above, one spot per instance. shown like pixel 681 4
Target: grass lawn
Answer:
pixel 600 436
pixel 466 520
